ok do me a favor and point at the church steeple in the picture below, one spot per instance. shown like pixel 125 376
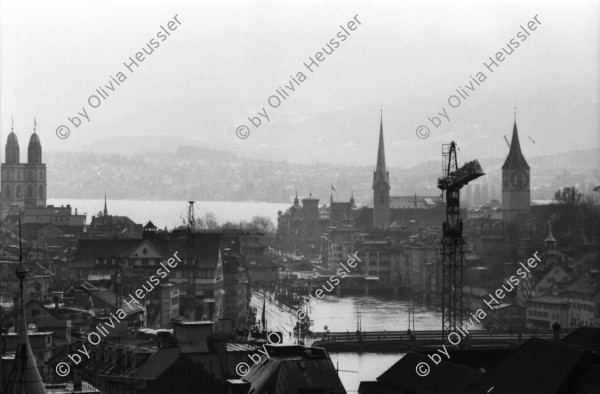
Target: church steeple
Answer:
pixel 381 173
pixel 515 159
pixel 516 187
pixel 105 207
pixel 381 186
pixel 25 377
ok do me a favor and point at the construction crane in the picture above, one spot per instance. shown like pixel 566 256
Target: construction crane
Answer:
pixel 452 180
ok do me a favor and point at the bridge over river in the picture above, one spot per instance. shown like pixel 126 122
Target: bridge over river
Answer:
pixel 402 341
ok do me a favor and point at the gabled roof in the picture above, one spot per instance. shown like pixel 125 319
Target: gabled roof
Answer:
pixel 289 369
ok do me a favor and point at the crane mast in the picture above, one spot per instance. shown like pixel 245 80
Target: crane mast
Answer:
pixel 452 180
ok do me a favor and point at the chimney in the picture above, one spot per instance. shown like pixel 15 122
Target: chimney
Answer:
pixel 163 339
pixel 556 329
pixel 77 385
pixel 192 331
pixel 237 386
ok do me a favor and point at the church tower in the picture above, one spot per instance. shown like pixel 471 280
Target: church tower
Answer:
pixel 381 187
pixel 12 173
pixel 23 185
pixel 35 173
pixel 516 193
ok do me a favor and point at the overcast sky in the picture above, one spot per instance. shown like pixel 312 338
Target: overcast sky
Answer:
pixel 225 59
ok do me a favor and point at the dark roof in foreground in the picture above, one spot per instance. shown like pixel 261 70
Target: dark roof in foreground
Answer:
pixel 541 366
pixel 294 369
pixel 587 337
pixel 402 377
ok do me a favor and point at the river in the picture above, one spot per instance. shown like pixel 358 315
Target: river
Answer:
pixel 342 314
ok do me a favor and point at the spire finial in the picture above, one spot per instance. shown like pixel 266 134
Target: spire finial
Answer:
pixel 34 124
pixel 12 124
pixel 515 114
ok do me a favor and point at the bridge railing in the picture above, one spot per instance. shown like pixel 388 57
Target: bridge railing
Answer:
pixel 432 336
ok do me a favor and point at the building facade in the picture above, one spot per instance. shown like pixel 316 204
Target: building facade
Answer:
pixel 23 185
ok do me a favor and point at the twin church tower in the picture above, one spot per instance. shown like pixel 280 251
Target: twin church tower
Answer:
pixel 516 191
pixel 23 185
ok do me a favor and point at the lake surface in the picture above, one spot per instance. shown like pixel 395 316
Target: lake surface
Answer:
pixel 172 213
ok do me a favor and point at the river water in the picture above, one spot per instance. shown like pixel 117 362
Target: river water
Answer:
pixel 342 314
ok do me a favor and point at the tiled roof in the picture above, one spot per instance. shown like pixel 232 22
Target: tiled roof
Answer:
pixel 200 347
pixel 586 284
pixel 291 373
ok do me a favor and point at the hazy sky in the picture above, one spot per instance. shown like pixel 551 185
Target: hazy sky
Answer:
pixel 225 59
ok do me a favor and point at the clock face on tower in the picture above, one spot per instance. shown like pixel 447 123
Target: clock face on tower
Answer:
pixel 382 187
pixel 520 180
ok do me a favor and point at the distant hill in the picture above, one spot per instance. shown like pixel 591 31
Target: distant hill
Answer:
pixel 190 171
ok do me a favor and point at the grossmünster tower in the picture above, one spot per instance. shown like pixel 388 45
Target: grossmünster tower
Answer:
pixel 516 191
pixel 23 184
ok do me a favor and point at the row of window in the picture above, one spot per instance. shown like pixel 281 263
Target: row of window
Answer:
pixel 17 192
pixel 11 175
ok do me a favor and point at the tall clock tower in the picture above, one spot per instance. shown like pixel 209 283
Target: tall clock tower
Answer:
pixel 381 187
pixel 516 193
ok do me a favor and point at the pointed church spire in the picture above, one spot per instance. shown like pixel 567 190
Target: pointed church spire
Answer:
pixel 381 173
pixel 515 159
pixel 550 241
pixel 105 207
pixel 25 377
pixel 381 151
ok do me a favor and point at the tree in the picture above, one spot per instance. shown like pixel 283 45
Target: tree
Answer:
pixel 263 223
pixel 576 218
